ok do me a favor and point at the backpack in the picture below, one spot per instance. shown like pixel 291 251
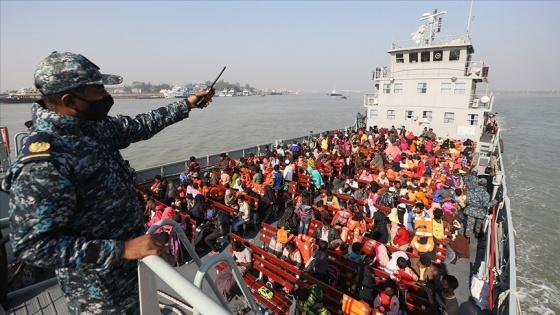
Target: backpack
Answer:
pixel 176 248
pixel 332 273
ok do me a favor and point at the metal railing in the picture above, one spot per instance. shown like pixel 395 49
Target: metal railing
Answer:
pixel 192 293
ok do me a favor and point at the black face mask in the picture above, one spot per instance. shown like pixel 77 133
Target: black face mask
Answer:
pixel 96 110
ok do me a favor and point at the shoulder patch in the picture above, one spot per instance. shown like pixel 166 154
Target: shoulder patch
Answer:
pixel 37 148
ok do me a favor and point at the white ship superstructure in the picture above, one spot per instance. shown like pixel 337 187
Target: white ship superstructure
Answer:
pixel 431 82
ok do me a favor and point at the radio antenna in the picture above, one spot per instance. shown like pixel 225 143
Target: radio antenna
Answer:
pixel 470 19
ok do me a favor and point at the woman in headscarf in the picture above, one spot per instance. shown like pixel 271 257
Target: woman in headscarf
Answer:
pixel 289 221
pixel 197 211
pixel 230 200
pixel 157 216
pixel 267 204
pixel 315 177
pixel 380 225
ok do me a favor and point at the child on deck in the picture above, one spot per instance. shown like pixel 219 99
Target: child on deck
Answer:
pixel 386 301
pixel 404 276
pixel 356 251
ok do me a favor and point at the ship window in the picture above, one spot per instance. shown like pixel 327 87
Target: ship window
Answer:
pixel 427 114
pixel 413 57
pixel 454 54
pixel 425 56
pixel 472 119
pixel 448 118
pixel 373 114
pixel 400 58
pixel 397 88
pixel 459 88
pixel 445 88
pixel 422 87
pixel 390 114
pixel 409 114
pixel 387 88
pixel 438 55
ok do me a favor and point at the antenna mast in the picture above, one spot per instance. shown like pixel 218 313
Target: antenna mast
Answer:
pixel 432 19
pixel 469 21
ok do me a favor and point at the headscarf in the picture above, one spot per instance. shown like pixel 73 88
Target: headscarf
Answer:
pixel 268 195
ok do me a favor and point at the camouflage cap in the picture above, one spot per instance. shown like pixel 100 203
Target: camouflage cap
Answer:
pixel 63 71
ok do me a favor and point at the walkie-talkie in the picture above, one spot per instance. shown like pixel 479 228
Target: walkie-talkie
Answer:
pixel 205 99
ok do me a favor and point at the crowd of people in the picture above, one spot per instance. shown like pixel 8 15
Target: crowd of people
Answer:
pixel 415 190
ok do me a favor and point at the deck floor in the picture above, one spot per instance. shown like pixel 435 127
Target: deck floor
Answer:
pixel 49 301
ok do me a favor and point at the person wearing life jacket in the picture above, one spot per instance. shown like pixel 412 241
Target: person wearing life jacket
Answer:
pixel 386 301
pixel 423 239
pixel 356 225
pixel 376 248
pixel 417 211
pixel 341 217
pixel 292 254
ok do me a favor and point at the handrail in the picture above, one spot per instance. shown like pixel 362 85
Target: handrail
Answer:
pixel 190 249
pixel 170 275
pixel 203 270
pixel 181 285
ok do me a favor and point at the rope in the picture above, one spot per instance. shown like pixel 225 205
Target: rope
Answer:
pixel 174 300
pixel 503 296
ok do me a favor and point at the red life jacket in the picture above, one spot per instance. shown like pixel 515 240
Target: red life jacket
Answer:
pixel 385 300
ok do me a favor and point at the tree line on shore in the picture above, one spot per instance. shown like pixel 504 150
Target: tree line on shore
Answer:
pixel 143 87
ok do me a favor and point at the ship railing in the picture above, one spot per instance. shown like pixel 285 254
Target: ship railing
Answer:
pixel 476 69
pixel 382 73
pixel 500 249
pixel 190 292
pixel 436 41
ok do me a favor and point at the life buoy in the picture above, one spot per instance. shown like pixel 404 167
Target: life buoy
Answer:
pixel 423 239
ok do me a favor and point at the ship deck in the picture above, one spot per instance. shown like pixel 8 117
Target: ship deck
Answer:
pixel 48 299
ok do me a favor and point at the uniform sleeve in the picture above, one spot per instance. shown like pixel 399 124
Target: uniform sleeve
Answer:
pixel 42 201
pixel 127 130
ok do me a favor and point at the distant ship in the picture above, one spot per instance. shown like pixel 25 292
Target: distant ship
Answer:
pixel 176 92
pixel 23 96
pixel 335 93
pixel 18 100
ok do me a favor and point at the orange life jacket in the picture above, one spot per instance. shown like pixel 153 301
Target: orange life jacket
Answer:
pixel 305 246
pixel 423 240
pixel 351 306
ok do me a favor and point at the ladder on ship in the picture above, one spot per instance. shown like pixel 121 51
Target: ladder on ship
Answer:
pixel 190 291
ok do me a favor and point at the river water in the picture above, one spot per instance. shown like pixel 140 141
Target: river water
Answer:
pixel 531 150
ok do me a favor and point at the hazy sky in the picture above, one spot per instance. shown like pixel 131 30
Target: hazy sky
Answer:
pixel 298 45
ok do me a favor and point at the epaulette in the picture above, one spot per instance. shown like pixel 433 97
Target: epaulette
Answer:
pixel 37 148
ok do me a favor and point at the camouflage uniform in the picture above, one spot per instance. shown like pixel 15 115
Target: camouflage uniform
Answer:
pixel 73 202
pixel 471 181
pixel 478 202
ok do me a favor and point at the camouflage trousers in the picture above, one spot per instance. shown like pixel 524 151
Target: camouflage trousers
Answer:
pixel 474 227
